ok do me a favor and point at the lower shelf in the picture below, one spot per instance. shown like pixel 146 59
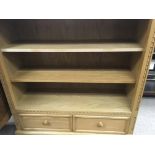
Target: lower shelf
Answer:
pixel 149 88
pixel 149 93
pixel 74 102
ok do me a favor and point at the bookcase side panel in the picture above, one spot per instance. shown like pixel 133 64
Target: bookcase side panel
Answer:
pixel 141 71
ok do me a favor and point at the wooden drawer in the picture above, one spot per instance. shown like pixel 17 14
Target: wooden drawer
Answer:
pixel 46 122
pixel 100 124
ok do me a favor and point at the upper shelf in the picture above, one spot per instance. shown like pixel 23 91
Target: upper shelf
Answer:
pixel 74 76
pixel 75 47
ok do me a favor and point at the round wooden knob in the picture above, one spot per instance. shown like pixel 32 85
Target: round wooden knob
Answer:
pixel 46 122
pixel 100 124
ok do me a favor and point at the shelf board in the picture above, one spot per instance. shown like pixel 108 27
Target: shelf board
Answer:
pixel 74 102
pixel 151 72
pixel 150 79
pixel 74 76
pixel 75 47
pixel 149 93
pixel 151 76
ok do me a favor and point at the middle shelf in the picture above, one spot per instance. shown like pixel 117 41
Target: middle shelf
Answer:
pixel 74 75
pixel 72 67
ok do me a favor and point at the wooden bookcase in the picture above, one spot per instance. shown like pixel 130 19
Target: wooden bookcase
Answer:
pixel 75 76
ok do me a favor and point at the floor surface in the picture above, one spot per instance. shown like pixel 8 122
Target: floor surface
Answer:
pixel 145 124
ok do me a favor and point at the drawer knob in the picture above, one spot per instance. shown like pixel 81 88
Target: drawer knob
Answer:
pixel 46 122
pixel 100 124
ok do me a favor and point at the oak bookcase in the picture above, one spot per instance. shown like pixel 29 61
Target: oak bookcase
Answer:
pixel 75 76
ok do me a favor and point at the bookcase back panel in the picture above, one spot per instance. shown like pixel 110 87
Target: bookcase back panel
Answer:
pixel 45 60
pixel 71 30
pixel 75 30
pixel 72 87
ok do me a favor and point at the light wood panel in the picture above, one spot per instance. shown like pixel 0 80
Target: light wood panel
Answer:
pixel 141 69
pixel 75 47
pixel 79 76
pixel 32 132
pixel 46 122
pixel 76 102
pixel 101 124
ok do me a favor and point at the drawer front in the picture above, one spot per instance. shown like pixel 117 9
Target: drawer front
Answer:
pixel 44 122
pixel 101 124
